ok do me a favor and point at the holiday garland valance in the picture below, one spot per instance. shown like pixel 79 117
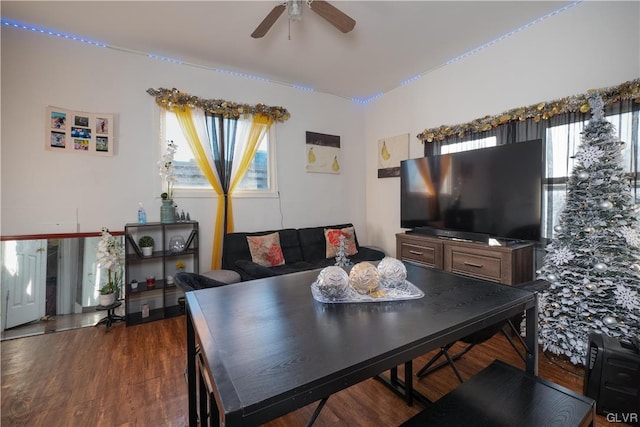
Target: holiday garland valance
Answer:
pixel 542 111
pixel 170 98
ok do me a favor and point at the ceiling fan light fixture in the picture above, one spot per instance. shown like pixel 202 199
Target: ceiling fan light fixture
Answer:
pixel 333 15
pixel 295 10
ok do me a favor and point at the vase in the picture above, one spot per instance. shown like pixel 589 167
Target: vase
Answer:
pixel 167 212
pixel 147 250
pixel 107 300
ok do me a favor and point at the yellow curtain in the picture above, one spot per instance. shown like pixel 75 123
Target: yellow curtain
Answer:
pixel 205 164
pixel 259 127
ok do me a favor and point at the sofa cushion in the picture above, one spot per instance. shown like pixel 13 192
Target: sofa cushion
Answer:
pixel 332 241
pixel 265 250
pixel 236 247
pixel 193 281
pixel 313 242
pixel 249 270
pixel 293 267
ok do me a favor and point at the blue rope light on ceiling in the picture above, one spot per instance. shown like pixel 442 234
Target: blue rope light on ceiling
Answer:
pixel 493 42
pixel 238 74
pixel 304 88
pixel 410 80
pixel 367 100
pixel 164 58
pixel 361 101
pixel 513 32
pixel 41 30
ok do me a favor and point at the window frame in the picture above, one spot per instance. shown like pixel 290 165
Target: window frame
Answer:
pixel 191 192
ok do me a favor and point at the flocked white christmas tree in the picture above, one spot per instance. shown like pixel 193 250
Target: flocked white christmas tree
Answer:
pixel 593 260
pixel 341 257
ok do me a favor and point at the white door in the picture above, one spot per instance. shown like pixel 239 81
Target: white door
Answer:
pixel 23 281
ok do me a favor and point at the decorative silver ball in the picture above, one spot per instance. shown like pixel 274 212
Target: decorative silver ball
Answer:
pixel 333 282
pixel 635 267
pixel 600 266
pixel 558 228
pixel 589 230
pixel 392 272
pixel 583 175
pixel 551 277
pixel 606 205
pixel 591 286
pixel 609 320
pixel 364 277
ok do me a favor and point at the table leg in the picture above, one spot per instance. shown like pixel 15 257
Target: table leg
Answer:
pixel 191 371
pixel 408 382
pixel 531 338
pixel 205 417
pixel 404 389
pixel 393 376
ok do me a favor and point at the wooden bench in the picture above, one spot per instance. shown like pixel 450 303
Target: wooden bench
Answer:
pixel 502 395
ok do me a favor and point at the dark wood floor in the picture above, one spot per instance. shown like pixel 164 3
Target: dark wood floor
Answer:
pixel 135 377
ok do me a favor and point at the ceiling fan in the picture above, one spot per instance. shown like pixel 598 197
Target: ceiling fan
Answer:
pixel 332 14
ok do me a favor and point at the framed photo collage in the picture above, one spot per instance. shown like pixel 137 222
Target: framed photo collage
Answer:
pixel 79 132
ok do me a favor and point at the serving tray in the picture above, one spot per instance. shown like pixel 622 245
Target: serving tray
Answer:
pixel 405 291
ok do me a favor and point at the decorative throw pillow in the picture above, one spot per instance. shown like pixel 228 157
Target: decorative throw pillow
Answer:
pixel 332 236
pixel 266 250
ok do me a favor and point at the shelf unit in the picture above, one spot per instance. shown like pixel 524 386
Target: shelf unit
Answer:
pixel 161 299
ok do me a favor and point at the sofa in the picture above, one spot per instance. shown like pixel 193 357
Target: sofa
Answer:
pixel 302 249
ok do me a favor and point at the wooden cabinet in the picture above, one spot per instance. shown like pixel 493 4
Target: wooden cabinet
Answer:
pixel 410 247
pixel 503 264
pixel 175 244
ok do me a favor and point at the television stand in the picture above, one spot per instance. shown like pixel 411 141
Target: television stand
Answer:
pixel 509 265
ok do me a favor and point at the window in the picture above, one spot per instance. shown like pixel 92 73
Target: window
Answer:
pixel 259 179
pixel 468 145
pixel 562 142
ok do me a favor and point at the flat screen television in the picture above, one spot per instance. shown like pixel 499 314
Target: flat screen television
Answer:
pixel 490 192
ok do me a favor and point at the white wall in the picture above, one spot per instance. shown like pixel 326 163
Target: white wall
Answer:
pixel 48 192
pixel 592 45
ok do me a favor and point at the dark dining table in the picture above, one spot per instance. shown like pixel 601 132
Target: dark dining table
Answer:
pixel 260 349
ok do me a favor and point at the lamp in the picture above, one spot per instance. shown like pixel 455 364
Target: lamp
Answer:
pixel 295 10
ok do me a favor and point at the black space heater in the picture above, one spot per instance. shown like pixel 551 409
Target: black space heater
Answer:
pixel 612 377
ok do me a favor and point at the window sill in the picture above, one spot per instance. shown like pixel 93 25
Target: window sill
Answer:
pixel 195 193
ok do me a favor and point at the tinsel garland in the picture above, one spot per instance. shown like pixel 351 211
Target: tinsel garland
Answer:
pixel 542 111
pixel 170 98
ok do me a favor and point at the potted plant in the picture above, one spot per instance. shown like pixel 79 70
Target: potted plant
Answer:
pixel 146 244
pixel 108 293
pixel 109 256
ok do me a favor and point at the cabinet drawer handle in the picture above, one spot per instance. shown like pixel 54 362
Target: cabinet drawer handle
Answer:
pixel 471 264
pixel 416 253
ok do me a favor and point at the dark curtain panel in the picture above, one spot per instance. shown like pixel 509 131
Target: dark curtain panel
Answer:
pixel 561 137
pixel 222 137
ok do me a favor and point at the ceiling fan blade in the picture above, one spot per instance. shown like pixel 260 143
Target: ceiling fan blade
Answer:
pixel 336 17
pixel 268 21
